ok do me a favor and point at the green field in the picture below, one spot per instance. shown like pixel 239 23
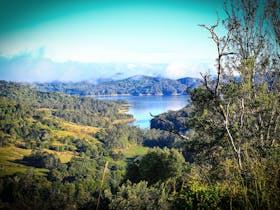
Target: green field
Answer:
pixel 134 151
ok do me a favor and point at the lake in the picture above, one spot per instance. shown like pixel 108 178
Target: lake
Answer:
pixel 142 106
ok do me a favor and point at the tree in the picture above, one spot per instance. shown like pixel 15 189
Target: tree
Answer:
pixel 43 160
pixel 140 196
pixel 235 116
pixel 157 165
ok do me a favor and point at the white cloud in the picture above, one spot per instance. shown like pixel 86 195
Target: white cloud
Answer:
pixel 33 66
pixel 176 70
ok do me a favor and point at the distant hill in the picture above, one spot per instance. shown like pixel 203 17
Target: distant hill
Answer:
pixel 136 86
pixel 190 82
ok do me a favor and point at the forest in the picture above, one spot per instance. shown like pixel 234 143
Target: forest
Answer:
pixel 222 151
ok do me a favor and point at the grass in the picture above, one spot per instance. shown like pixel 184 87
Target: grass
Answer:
pixel 134 151
pixel 10 154
pixel 75 130
pixel 64 157
pixel 45 111
pixel 131 153
pixel 57 143
pixel 124 108
pixel 126 120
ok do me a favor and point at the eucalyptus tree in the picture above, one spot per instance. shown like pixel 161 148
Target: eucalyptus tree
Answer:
pixel 236 114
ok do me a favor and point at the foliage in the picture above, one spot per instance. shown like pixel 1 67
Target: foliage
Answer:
pixel 156 165
pixel 82 110
pixel 118 136
pixel 172 120
pixel 42 160
pixel 140 196
pixel 160 138
pixel 235 121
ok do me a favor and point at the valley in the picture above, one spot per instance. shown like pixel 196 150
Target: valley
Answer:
pixel 60 141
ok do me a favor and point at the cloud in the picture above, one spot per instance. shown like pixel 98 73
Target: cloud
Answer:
pixel 32 66
pixel 178 70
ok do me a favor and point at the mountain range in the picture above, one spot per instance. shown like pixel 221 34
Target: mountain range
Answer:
pixel 136 86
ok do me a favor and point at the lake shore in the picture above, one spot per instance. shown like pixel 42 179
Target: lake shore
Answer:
pixel 117 95
pixel 141 107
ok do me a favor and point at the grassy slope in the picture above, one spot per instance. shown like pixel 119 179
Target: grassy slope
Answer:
pixel 9 155
pixel 75 130
pixel 134 151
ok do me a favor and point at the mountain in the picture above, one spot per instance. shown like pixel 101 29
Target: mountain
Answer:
pixel 190 82
pixel 135 85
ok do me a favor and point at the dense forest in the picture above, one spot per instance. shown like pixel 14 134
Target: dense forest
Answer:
pixel 137 85
pixel 220 152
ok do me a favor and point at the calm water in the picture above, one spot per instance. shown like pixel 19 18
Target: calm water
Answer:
pixel 142 106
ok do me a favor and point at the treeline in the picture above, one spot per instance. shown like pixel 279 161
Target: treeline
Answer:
pixel 122 135
pixel 137 85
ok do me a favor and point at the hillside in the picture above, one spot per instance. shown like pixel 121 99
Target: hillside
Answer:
pixel 136 85
pixel 58 124
pixel 172 120
pixel 57 145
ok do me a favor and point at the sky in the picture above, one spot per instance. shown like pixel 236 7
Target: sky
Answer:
pixel 81 40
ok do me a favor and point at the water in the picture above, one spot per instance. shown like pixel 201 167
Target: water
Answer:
pixel 143 106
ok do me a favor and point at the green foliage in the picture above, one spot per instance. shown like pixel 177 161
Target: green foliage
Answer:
pixel 234 122
pixel 119 136
pixel 42 160
pixel 156 165
pixel 82 110
pixel 140 196
pixel 200 198
pixel 172 120
pixel 31 119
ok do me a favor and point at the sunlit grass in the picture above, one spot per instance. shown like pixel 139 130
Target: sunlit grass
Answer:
pixel 74 130
pixel 134 151
pixel 126 120
pixel 124 108
pixel 45 111
pixel 64 156
pixel 57 144
pixel 13 153
pixel 10 154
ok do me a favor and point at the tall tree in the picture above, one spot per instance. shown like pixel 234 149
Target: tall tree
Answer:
pixel 236 115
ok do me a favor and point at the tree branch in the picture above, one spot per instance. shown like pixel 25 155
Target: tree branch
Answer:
pixel 220 50
pixel 226 122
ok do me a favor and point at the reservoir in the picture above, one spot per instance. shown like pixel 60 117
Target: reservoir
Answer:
pixel 142 106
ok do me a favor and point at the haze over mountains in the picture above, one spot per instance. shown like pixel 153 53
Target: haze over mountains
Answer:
pixel 135 85
pixel 32 67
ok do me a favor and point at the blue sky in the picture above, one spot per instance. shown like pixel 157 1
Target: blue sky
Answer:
pixel 105 31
